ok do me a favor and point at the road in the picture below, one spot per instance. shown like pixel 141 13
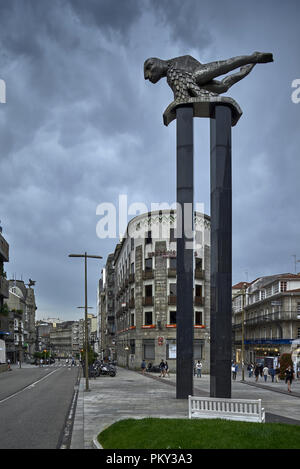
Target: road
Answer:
pixel 36 406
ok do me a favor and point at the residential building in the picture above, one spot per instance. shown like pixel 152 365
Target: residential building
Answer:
pixel 271 318
pixel 4 290
pixel 21 341
pixel 61 339
pixel 145 291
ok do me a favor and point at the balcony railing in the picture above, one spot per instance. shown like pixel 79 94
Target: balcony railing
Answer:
pixel 172 300
pixel 172 273
pixel 148 301
pixel 4 287
pixel 199 274
pixel 4 249
pixel 199 301
pixel 148 274
pixel 275 316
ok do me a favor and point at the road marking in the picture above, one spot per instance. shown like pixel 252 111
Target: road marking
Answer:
pixel 28 387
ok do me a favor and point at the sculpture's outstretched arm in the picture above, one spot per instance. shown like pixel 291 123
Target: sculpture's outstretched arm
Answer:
pixel 212 70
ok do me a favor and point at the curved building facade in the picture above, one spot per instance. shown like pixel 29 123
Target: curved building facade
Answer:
pixel 145 291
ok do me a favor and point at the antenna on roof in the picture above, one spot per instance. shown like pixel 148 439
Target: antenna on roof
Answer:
pixel 295 260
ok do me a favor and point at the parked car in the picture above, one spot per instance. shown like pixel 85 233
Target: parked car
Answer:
pixel 153 368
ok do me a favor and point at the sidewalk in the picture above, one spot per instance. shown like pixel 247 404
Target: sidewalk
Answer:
pixel 131 395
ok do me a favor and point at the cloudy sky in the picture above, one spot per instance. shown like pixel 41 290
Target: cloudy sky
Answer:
pixel 80 126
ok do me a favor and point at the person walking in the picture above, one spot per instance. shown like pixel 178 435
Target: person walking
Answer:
pixel 272 373
pixel 277 372
pixel 256 372
pixel 198 368
pixel 167 372
pixel 162 369
pixel 289 376
pixel 143 366
pixel 265 373
pixel 234 370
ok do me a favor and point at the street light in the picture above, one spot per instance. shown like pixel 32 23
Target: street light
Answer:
pixel 86 256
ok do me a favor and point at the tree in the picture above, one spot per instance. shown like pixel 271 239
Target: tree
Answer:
pixel 285 361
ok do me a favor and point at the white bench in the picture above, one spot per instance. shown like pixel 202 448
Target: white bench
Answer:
pixel 231 409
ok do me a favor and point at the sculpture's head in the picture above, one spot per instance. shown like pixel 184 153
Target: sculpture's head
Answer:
pixel 155 69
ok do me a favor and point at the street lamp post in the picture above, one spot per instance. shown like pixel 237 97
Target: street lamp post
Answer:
pixel 86 256
pixel 243 331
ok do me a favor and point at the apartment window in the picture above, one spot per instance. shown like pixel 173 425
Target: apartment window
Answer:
pixel 132 268
pixel 298 310
pixel 172 317
pixel 269 291
pixel 173 263
pixel 172 234
pixel 263 294
pixel 198 290
pixel 132 319
pixel 148 291
pixel 276 288
pixel 132 346
pixel 198 318
pixel 198 348
pixel 198 263
pixel 149 237
pixel 148 264
pixel 132 243
pixel 171 349
pixel 256 296
pixel 283 286
pixel 148 318
pixel 173 289
pixel 149 349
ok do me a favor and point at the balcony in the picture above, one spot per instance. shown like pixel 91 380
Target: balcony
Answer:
pixel 4 293
pixel 172 300
pixel 131 278
pixel 199 274
pixel 172 273
pixel 272 317
pixel 148 301
pixel 199 301
pixel 4 249
pixel 148 274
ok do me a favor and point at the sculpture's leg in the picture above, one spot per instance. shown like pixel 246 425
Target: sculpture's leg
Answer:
pixel 215 69
pixel 222 86
pixel 185 308
pixel 221 253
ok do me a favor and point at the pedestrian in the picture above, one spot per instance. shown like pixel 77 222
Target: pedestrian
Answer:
pixel 265 373
pixel 143 366
pixel 41 362
pixel 261 367
pixel 167 372
pixel 198 368
pixel 234 370
pixel 8 365
pixel 277 372
pixel 256 372
pixel 162 369
pixel 272 373
pixel 289 376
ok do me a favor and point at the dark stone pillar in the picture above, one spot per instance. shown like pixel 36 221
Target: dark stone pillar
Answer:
pixel 221 253
pixel 185 215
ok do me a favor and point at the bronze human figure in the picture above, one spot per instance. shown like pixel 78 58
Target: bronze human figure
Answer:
pixel 189 78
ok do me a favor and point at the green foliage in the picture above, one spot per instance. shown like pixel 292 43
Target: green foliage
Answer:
pixel 4 310
pixel 154 433
pixel 91 355
pixel 285 361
